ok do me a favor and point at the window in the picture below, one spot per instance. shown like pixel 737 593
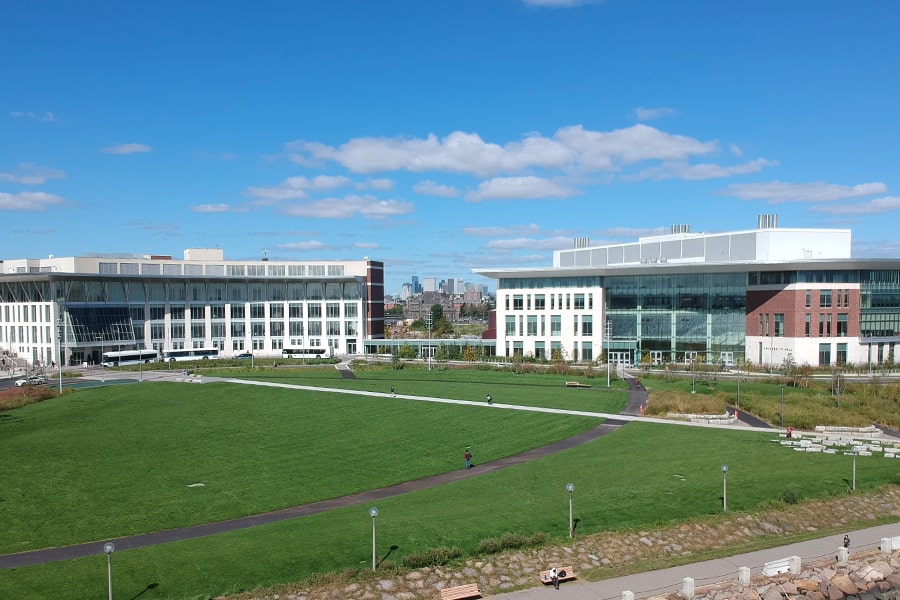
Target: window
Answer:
pixel 315 328
pixel 587 351
pixel 333 327
pixel 237 311
pixel 510 325
pixel 841 354
pixel 555 325
pixel 176 312
pixel 276 311
pixel 821 325
pixel 157 313
pixel 258 329
pixel 779 325
pixel 157 331
pixel 350 310
pixel 842 325
pixel 257 311
pixel 539 302
pixel 177 331
pixel 295 310
pixel 824 354
pixel 332 310
pixel 237 330
pixel 540 352
pixel 587 329
pixel 532 324
pixel 198 331
pixel 518 302
pixel 198 313
pixel 350 328
pixel 277 329
pixel 825 298
pixel 314 311
pixel 808 298
pixel 218 330
pixel 760 324
pixel 217 311
pixel 296 329
pixel 828 325
pixel 807 324
pixel 579 301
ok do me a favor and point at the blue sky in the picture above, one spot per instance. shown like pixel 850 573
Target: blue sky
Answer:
pixel 441 136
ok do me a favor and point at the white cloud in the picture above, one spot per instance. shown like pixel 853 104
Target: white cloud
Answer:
pixel 47 117
pixel 519 188
pixel 524 243
pixel 294 188
pixel 735 150
pixel 302 246
pixel 649 114
pixel 210 208
pixel 777 192
pixel 518 230
pixel 872 207
pixel 126 149
pixel 433 188
pixel 367 245
pixel 31 174
pixel 382 184
pixel 33 201
pixel 598 150
pixel 344 208
pixel 683 170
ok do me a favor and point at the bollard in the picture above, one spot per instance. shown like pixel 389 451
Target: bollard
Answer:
pixel 843 555
pixel 688 587
pixel 744 576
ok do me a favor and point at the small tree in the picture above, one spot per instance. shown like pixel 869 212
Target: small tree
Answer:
pixel 469 353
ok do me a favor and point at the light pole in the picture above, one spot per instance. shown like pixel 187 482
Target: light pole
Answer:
pixel 782 406
pixel 571 488
pixel 374 512
pixel 109 548
pixel 59 358
pixel 855 452
pixel 739 393
pixel 724 488
pixel 428 322
pixel 693 378
pixel 608 336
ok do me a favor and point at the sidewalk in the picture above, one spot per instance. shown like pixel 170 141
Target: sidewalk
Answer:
pixel 655 583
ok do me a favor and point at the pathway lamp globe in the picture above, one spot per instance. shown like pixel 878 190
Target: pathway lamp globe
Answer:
pixel 724 488
pixel 570 487
pixel 109 548
pixel 373 512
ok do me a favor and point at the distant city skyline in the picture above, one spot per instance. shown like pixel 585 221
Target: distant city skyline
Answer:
pixel 441 137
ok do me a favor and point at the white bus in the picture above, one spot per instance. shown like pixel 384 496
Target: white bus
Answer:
pixel 306 353
pixel 129 357
pixel 190 354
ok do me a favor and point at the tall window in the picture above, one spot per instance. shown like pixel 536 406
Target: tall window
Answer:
pixel 510 325
pixel 808 317
pixel 587 328
pixel 555 325
pixel 808 298
pixel 532 324
pixel 821 325
pixel 779 324
pixel 518 302
pixel 539 302
pixel 824 354
pixel 842 325
pixel 825 298
pixel 579 301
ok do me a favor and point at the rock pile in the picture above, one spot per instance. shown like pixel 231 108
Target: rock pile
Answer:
pixel 873 573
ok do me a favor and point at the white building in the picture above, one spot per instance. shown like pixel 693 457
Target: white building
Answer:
pixel 83 306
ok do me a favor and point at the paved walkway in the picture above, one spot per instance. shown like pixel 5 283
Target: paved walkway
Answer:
pixel 654 583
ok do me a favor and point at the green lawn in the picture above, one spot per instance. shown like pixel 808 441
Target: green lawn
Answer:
pixel 107 462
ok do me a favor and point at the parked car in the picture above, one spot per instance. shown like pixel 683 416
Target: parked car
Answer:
pixel 31 380
pixel 246 355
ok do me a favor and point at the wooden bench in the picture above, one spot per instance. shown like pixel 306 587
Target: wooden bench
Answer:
pixel 575 384
pixel 563 574
pixel 469 590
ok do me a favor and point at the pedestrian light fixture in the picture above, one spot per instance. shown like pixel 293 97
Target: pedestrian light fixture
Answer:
pixel 109 548
pixel 571 488
pixel 374 513
pixel 724 488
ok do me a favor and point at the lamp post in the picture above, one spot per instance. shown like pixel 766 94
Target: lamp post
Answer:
pixel 855 452
pixel 428 322
pixel 739 393
pixel 59 358
pixel 693 378
pixel 782 406
pixel 374 513
pixel 724 488
pixel 109 548
pixel 607 337
pixel 571 488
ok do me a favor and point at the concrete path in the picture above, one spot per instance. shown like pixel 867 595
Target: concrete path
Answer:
pixel 654 583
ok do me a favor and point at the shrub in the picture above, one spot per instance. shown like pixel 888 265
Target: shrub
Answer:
pixel 513 540
pixel 431 557
pixel 790 496
pixel 489 546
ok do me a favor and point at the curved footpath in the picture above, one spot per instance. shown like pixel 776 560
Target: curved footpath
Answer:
pixel 35 557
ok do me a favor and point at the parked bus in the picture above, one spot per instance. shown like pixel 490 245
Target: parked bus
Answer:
pixel 305 353
pixel 129 357
pixel 190 354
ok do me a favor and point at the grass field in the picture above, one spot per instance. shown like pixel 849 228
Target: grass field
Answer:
pixel 106 462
